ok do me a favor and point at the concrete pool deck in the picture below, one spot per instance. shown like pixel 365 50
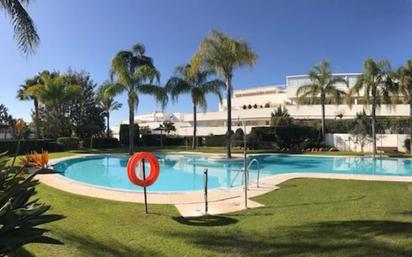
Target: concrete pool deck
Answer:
pixel 189 204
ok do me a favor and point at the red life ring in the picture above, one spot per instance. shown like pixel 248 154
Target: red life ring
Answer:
pixel 154 169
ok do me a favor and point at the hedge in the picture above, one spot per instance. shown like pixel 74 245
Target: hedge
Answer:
pixel 261 137
pixel 215 140
pixel 391 125
pixel 154 140
pixel 296 137
pixel 28 145
pixel 69 143
pixel 293 137
pixel 124 134
pixel 105 142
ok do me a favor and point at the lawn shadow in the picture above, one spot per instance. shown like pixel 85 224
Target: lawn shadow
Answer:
pixel 206 221
pixel 340 238
pixel 22 252
pixel 404 213
pixel 91 246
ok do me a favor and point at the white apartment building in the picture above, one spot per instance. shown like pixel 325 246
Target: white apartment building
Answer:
pixel 255 105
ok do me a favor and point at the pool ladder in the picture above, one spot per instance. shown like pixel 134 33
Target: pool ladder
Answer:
pixel 254 160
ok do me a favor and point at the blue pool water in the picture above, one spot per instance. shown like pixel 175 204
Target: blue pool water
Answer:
pixel 185 172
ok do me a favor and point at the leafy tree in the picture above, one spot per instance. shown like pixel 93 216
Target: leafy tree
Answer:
pixel 24 29
pixel 223 54
pixel 24 94
pixel 405 88
pixel 280 117
pixel 135 74
pixel 6 120
pixel 145 130
pixel 197 84
pixel 107 103
pixel 86 116
pixel 168 126
pixel 378 88
pixel 361 131
pixel 322 87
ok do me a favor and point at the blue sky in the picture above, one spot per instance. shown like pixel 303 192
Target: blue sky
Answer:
pixel 289 36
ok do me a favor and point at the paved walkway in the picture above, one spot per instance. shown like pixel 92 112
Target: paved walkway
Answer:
pixel 190 204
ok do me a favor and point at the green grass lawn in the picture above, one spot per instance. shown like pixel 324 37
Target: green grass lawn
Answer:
pixel 305 217
pixel 222 150
pixel 202 149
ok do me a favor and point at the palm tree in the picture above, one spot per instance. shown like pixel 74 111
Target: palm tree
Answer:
pixel 223 54
pixel 196 83
pixel 405 87
pixel 24 29
pixel 23 94
pixel 135 74
pixel 280 117
pixel 322 87
pixel 53 91
pixel 107 102
pixel 377 86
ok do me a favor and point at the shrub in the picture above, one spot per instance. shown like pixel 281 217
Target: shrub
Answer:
pixel 69 143
pixel 407 145
pixel 280 117
pixel 261 138
pixel 296 137
pixel 237 139
pixel 21 213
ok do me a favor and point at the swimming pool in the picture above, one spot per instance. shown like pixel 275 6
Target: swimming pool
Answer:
pixel 180 173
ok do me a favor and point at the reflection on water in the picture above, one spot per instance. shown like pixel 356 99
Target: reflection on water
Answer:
pixel 185 173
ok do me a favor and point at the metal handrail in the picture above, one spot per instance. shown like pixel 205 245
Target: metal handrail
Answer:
pixel 254 160
pixel 235 177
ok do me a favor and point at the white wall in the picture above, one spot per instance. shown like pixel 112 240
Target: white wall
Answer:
pixel 345 142
pixel 260 96
pixel 294 82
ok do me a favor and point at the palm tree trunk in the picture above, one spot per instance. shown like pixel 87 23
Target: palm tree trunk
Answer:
pixel 410 126
pixel 322 102
pixel 374 122
pixel 108 125
pixel 194 140
pixel 131 126
pixel 229 115
pixel 36 117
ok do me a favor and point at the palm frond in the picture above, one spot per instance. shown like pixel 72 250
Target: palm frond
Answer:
pixel 115 89
pixel 177 86
pixel 158 92
pixel 214 87
pixel 146 73
pixel 199 98
pixel 221 53
pixel 24 28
